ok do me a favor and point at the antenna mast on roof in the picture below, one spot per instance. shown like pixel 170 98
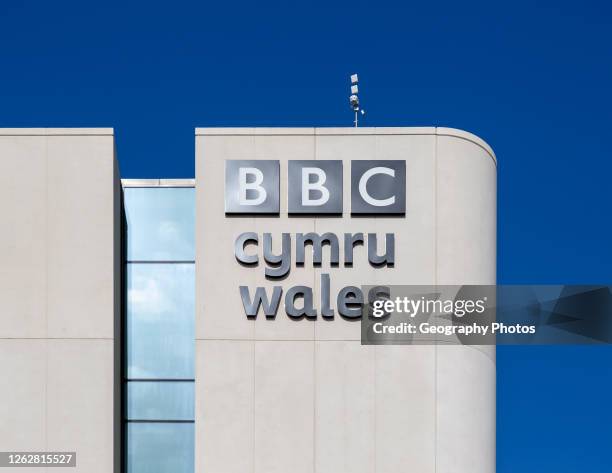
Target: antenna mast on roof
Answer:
pixel 354 98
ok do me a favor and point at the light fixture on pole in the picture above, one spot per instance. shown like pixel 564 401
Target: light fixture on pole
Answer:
pixel 354 98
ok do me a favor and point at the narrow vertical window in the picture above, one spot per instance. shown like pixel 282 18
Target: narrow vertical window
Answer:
pixel 160 315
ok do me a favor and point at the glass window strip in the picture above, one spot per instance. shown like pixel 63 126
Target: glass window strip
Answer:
pixel 136 460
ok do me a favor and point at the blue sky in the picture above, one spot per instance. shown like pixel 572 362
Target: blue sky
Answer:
pixel 531 78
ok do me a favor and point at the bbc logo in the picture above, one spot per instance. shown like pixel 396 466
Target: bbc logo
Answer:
pixel 315 187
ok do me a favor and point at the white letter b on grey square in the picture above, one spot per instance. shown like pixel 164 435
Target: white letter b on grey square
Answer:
pixel 252 187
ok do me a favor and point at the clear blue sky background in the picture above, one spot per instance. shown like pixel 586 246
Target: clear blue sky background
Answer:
pixel 532 78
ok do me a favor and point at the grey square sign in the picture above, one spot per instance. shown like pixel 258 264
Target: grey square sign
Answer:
pixel 252 187
pixel 378 187
pixel 314 187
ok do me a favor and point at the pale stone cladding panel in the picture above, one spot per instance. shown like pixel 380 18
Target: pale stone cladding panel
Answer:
pixel 307 395
pixel 60 293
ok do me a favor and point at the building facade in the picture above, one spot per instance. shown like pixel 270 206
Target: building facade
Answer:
pixel 60 295
pixel 124 312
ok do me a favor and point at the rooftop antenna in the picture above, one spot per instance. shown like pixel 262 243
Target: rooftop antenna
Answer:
pixel 354 98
